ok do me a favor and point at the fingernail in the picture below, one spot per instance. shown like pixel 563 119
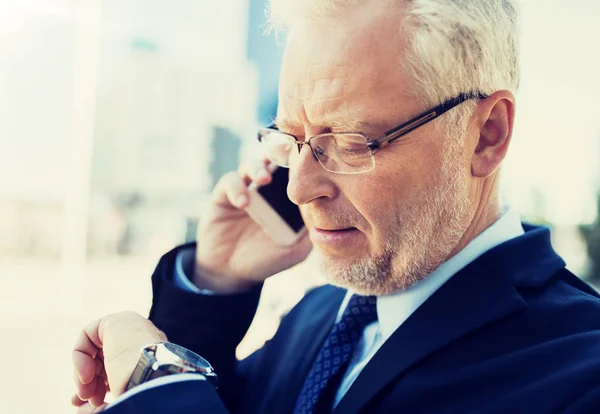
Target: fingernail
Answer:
pixel 241 200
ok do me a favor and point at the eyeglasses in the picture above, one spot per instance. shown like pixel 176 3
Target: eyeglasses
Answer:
pixel 348 152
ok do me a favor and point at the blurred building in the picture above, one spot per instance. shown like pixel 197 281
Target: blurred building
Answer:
pixel 171 80
pixel 169 90
pixel 36 83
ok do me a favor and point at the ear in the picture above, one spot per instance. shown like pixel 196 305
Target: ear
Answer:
pixel 494 119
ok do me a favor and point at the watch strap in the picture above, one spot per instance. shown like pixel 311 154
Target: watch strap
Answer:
pixel 148 367
pixel 141 373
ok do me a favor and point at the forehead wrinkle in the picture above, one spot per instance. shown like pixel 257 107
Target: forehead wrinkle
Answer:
pixel 326 70
pixel 326 91
pixel 314 100
pixel 317 80
pixel 316 109
pixel 319 90
pixel 346 123
pixel 342 120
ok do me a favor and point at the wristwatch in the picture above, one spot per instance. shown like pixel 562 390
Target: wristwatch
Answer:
pixel 166 358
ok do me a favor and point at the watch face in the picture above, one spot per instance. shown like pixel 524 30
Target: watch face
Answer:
pixel 177 355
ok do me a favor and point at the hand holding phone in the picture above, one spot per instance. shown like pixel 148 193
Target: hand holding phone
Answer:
pixel 234 251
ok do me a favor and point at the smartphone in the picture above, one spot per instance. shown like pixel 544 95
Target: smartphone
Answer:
pixel 271 208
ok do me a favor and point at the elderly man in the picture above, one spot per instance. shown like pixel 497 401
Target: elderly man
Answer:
pixel 439 299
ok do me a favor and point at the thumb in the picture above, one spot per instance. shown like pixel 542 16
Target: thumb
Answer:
pixel 87 345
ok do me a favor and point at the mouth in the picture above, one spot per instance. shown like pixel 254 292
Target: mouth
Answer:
pixel 334 236
pixel 334 229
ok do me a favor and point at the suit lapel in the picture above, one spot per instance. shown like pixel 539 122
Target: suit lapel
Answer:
pixel 474 297
pixel 306 341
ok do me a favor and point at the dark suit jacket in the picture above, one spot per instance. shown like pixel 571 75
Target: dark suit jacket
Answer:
pixel 513 332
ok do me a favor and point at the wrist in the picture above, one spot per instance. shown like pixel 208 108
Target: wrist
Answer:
pixel 204 279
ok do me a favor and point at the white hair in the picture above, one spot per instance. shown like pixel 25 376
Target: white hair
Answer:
pixel 455 46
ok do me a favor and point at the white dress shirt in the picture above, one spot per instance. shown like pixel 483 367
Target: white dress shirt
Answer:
pixel 392 310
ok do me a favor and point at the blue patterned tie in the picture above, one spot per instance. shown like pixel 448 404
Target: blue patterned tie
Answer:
pixel 331 362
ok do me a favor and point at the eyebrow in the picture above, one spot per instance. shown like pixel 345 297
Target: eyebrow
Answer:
pixel 342 124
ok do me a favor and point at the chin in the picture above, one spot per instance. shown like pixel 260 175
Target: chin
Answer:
pixel 368 276
pixel 381 275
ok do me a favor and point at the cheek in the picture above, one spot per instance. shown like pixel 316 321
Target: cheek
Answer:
pixel 394 186
pixel 404 171
pixel 405 174
pixel 411 170
pixel 378 202
pixel 389 194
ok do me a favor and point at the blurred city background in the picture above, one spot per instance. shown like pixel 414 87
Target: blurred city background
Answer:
pixel 118 116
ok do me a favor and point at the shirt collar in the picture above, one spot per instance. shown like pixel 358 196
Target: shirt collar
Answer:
pixel 393 310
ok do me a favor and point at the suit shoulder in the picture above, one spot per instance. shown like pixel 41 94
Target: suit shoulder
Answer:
pixel 316 302
pixel 575 285
pixel 562 307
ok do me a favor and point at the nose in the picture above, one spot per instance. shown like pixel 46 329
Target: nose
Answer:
pixel 308 180
pixel 301 144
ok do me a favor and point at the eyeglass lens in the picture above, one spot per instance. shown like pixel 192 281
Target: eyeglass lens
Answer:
pixel 340 153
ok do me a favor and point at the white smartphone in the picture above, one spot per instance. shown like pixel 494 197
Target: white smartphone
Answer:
pixel 271 208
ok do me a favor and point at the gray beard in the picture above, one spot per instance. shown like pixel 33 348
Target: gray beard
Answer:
pixel 426 236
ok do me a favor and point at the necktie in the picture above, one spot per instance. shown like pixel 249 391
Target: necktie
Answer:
pixel 328 368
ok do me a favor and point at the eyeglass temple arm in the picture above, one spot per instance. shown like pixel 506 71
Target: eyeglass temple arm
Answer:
pixel 259 135
pixel 424 118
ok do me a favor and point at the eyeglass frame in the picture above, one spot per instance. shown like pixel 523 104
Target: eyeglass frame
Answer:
pixel 375 144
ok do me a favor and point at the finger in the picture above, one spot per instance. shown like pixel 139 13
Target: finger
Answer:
pixel 87 408
pixel 89 341
pixel 87 346
pixel 76 401
pixel 255 171
pixel 99 366
pixel 98 398
pixel 86 367
pixel 231 191
pixel 102 377
pixel 86 391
